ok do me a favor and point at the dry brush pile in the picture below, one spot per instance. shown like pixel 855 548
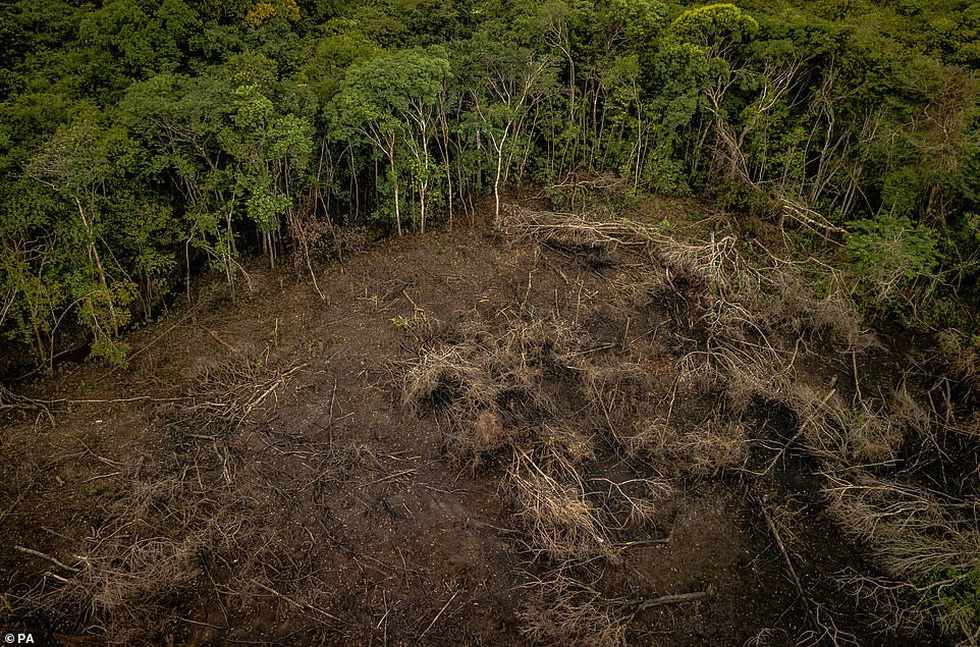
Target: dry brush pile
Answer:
pixel 181 534
pixel 531 398
pixel 546 402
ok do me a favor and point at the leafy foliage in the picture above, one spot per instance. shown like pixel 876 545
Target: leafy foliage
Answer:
pixel 140 141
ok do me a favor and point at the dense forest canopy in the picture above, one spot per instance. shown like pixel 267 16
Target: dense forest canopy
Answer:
pixel 145 141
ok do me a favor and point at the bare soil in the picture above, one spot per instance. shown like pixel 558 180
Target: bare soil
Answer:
pixel 253 477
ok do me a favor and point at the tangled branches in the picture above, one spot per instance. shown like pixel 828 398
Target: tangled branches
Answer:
pixel 927 545
pixel 746 325
pixel 576 233
pixel 226 395
pixel 152 550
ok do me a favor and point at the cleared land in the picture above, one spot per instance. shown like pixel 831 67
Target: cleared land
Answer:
pixel 580 429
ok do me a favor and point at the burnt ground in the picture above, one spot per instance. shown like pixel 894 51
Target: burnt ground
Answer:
pixel 316 508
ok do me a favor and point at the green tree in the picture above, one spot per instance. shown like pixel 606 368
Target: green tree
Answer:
pixel 390 101
pixel 77 163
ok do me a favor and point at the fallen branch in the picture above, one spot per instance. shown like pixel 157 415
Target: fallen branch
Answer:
pixel 438 615
pixel 221 341
pixel 301 605
pixel 676 598
pixel 37 553
pixel 782 549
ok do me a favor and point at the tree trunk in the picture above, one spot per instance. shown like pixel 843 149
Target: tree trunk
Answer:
pixel 422 206
pixel 496 192
pixel 98 262
pixel 394 179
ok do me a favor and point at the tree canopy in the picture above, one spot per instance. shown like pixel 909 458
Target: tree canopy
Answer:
pixel 142 142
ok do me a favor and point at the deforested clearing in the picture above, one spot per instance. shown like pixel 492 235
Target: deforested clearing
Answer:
pixel 487 437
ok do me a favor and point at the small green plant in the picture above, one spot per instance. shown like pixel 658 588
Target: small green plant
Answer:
pixel 957 605
pixel 401 322
pixel 892 253
pixel 110 350
pixel 822 288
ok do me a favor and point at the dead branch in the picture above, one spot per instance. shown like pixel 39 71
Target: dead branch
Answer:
pixel 36 553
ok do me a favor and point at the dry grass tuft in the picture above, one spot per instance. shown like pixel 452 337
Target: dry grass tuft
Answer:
pixel 907 411
pixel 715 447
pixel 846 435
pixel 569 446
pixel 563 524
pixel 927 544
pixel 149 554
pixel 224 396
pixel 569 612
pixel 961 355
pixel 488 389
pixel 874 438
pixel 705 449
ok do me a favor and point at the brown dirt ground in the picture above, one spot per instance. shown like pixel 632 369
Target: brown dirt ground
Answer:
pixel 371 535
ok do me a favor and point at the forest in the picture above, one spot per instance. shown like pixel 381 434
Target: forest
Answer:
pixel 785 195
pixel 146 142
